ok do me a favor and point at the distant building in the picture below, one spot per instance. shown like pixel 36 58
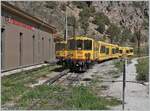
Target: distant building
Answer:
pixel 25 40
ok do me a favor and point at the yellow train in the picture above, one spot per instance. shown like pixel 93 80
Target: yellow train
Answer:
pixel 81 52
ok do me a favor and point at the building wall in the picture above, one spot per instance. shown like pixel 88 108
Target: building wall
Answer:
pixel 23 47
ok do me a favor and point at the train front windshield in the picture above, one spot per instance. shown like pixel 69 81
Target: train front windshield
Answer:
pixel 60 46
pixel 79 44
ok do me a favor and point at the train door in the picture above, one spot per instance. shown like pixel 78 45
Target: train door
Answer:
pixel 107 51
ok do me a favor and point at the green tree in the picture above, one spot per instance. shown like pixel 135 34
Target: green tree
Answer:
pixel 80 4
pixel 72 22
pixel 84 19
pixel 126 35
pixel 51 4
pixel 138 37
pixel 101 20
pixel 114 33
pixel 101 27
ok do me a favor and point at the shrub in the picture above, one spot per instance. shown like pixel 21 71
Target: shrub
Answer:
pixel 51 4
pixel 114 32
pixel 101 28
pixel 84 17
pixel 142 69
pixel 101 18
pixel 80 4
pixel 71 20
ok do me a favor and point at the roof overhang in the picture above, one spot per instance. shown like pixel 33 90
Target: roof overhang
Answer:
pixel 8 7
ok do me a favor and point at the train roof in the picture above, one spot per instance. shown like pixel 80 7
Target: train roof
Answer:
pixel 81 38
pixel 120 47
pixel 101 42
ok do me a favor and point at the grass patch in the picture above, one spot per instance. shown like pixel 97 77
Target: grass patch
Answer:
pixel 44 97
pixel 54 97
pixel 129 61
pixel 15 84
pixel 76 98
pixel 119 65
pixel 142 69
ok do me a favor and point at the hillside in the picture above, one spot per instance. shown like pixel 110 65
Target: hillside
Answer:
pixel 117 22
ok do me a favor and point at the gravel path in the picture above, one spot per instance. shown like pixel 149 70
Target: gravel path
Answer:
pixel 136 95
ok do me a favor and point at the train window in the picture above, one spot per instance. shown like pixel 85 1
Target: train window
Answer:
pixel 127 51
pixel 71 44
pixel 87 45
pixel 79 44
pixel 117 50
pixel 131 50
pixel 113 51
pixel 107 50
pixel 120 51
pixel 102 50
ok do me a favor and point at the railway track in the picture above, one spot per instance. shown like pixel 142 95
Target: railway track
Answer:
pixel 57 77
pixel 69 79
pixel 63 78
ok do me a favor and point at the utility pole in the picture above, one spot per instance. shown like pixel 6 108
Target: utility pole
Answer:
pixel 66 21
pixel 124 82
pixel 74 25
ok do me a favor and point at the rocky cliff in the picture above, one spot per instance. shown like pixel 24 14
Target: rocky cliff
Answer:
pixel 94 19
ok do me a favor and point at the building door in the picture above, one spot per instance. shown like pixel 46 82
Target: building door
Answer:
pixel 49 48
pixel 2 48
pixel 20 49
pixel 33 37
pixel 43 58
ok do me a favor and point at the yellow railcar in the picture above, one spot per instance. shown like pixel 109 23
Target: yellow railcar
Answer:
pixel 61 51
pixel 128 51
pixel 104 51
pixel 121 49
pixel 114 53
pixel 125 51
pixel 82 51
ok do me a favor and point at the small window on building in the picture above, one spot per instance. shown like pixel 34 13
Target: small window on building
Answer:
pixel 20 33
pixel 33 36
pixel 2 30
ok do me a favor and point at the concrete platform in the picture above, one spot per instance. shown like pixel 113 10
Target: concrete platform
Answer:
pixel 22 69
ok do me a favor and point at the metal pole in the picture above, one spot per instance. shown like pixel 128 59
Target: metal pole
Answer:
pixel 124 82
pixel 66 25
pixel 74 27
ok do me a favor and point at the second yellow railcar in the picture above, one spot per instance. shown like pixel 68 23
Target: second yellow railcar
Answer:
pixel 61 51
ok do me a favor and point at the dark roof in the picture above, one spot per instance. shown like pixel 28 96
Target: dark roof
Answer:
pixel 17 11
